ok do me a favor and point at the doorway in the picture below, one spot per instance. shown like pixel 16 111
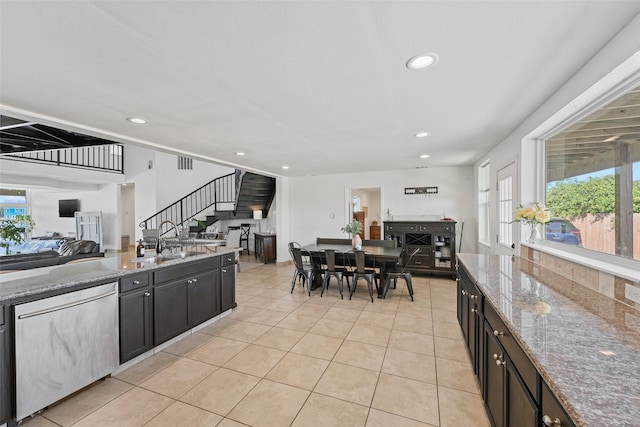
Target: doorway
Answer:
pixel 127 214
pixel 365 205
pixel 506 197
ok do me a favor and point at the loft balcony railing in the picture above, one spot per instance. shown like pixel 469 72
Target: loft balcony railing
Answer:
pixel 220 190
pixel 105 158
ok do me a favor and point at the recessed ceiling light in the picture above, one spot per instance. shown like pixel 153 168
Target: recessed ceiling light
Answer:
pixel 239 153
pixel 136 120
pixel 424 156
pixel 422 134
pixel 423 61
pixel 285 167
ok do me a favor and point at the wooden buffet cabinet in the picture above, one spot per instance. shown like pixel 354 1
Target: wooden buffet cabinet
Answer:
pixel 435 239
pixel 265 247
pixel 375 232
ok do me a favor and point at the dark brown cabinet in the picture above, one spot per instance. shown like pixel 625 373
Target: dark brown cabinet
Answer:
pixel 470 318
pixel 204 299
pixel 265 247
pixel 228 282
pixel 435 239
pixel 512 389
pixel 136 316
pixel 6 388
pixel 552 413
pixel 508 400
pixel 374 232
pixel 182 299
pixel 171 310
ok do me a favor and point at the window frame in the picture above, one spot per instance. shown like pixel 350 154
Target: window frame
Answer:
pixel 484 208
pixel 608 89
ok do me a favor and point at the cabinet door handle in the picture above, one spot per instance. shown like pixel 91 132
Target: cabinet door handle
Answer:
pixel 464 292
pixel 499 360
pixel 147 294
pixel 136 282
pixel 546 420
pixel 224 271
pixel 473 310
pixel 473 296
pixel 190 281
pixel 498 334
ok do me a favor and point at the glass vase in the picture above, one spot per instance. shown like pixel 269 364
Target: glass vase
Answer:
pixel 533 233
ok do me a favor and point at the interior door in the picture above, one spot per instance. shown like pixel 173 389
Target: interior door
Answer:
pixel 507 188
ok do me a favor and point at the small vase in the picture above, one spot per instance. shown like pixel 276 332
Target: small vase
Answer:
pixel 356 242
pixel 533 233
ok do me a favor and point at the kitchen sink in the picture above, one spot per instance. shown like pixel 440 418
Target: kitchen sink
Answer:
pixel 178 255
pixel 158 258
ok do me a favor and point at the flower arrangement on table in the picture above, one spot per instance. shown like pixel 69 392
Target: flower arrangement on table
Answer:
pixel 354 228
pixel 532 215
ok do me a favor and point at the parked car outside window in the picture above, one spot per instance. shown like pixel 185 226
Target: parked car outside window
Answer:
pixel 562 231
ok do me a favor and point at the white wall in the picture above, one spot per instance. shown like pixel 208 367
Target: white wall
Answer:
pixel 319 204
pixel 517 145
pixel 176 184
pixel 44 210
pixel 163 184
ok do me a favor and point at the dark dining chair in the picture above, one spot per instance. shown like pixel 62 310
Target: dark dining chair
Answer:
pixel 303 268
pixel 330 270
pixel 361 272
pixel 400 272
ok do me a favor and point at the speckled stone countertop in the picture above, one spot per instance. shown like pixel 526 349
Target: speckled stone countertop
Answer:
pixel 59 277
pixel 585 345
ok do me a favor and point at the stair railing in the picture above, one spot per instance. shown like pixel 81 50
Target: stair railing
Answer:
pixel 105 158
pixel 220 190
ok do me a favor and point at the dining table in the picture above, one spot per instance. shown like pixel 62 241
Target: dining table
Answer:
pixel 380 257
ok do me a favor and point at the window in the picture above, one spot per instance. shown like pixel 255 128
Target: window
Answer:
pixel 592 180
pixel 12 203
pixel 484 191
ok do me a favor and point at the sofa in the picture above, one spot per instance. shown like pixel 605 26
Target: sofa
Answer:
pixel 69 250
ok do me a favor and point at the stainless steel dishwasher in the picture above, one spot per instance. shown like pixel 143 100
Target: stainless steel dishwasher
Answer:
pixel 64 343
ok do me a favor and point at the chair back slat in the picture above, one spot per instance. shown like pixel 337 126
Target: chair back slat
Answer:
pixel 408 261
pixel 296 254
pixel 330 259
pixel 360 261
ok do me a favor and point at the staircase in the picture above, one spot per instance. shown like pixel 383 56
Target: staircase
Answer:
pixel 233 196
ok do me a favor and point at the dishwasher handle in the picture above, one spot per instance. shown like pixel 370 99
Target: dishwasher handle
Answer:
pixel 63 306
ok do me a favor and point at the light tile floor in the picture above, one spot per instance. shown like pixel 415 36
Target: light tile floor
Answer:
pixel 287 359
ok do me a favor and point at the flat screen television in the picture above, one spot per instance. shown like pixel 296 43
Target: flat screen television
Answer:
pixel 67 208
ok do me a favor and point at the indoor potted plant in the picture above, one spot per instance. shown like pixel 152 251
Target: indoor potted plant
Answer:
pixel 13 229
pixel 354 228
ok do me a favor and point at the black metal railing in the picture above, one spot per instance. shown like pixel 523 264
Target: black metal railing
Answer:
pixel 105 158
pixel 220 190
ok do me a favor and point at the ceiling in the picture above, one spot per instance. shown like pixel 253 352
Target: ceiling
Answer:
pixel 19 136
pixel 607 137
pixel 320 86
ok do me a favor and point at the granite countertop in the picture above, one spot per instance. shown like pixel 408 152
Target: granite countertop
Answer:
pixel 585 345
pixel 38 280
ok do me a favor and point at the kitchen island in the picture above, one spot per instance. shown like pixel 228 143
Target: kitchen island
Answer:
pixel 547 350
pixel 154 299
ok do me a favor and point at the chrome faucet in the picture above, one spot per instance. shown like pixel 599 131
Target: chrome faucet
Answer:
pixel 159 246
